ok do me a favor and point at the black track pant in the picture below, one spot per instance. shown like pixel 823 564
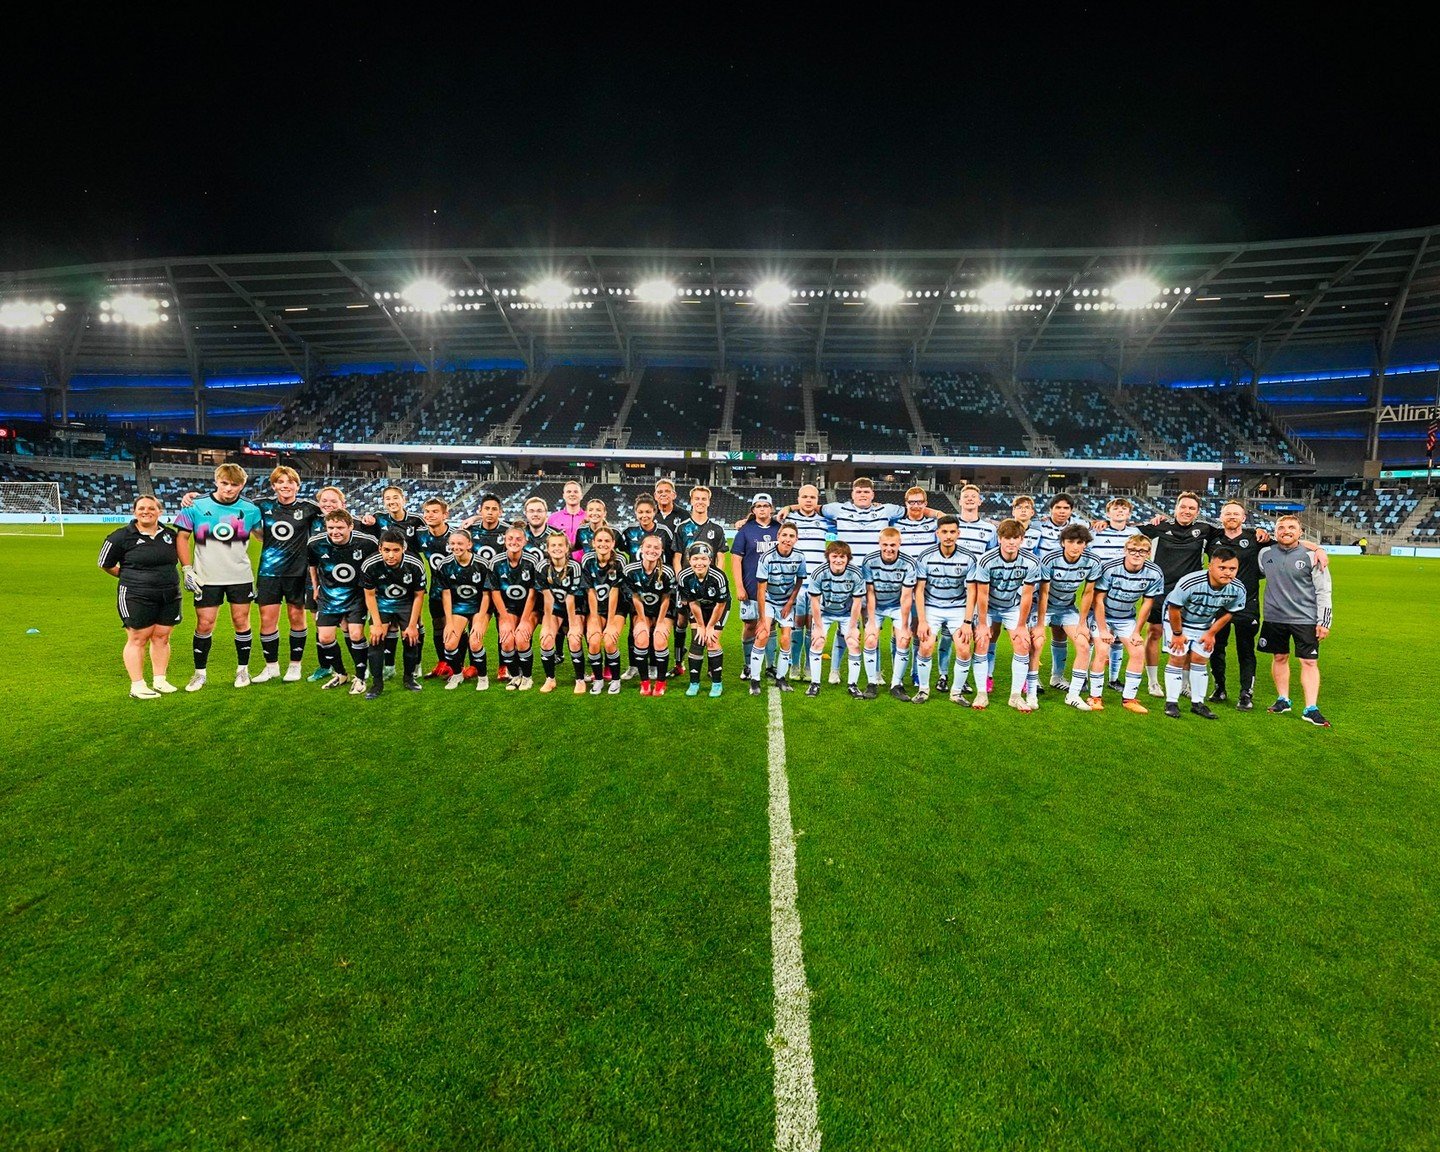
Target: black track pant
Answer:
pixel 1246 629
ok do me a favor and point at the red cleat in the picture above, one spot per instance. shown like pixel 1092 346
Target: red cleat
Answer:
pixel 471 672
pixel 658 688
pixel 441 670
pixel 645 688
pixel 503 674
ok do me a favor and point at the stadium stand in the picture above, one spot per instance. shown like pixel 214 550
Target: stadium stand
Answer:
pixel 968 416
pixel 862 412
pixel 769 408
pixel 468 405
pixel 384 399
pixel 1236 406
pixel 1373 513
pixel 1080 419
pixel 85 493
pixel 675 407
pixel 573 406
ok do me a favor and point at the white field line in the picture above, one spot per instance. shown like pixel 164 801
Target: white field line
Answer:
pixel 797 1123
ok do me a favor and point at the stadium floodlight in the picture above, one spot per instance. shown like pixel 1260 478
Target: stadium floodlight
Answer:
pixel 28 314
pixel 139 311
pixel 772 293
pixel 655 291
pixel 996 294
pixel 886 294
pixel 426 295
pixel 1134 292
pixel 550 292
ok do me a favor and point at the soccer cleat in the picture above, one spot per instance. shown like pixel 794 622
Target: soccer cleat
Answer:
pixel 1117 685
pixel 754 688
pixel 503 674
pixel 1246 703
pixel 1078 702
pixel 943 684
pixel 1280 707
pixel 441 671
pixel 629 673
pixel 357 686
pixel 454 681
pixel 265 675
pixel 143 691
pixel 1059 682
pixel 335 681
pixel 989 685
pixel 375 690
pixel 813 689
pixel 470 672
pixel 853 691
pixel 981 701
pixel 526 683
pixel 512 684
pixel 693 689
pixel 580 687
pixel 834 676
pixel 612 688
pixel 785 686
pixel 716 689
pixel 163 686
pixel 1203 711
pixel 1172 710
pixel 482 683
pixel 958 698
pixel 1135 706
pixel 658 688
pixel 870 693
pixel 389 671
pixel 412 684
pixel 597 687
pixel 1096 704
pixel 318 675
pixel 1033 700
pixel 1155 690
pixel 549 685
pixel 920 697
pixel 678 670
pixel 1219 696
pixel 242 678
pixel 1312 715
pixel 897 691
pixel 293 673
pixel 1019 701
pixel 644 687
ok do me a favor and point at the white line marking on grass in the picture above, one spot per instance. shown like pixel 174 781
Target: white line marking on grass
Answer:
pixel 797 1123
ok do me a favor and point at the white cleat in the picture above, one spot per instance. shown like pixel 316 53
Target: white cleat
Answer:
pixel 834 676
pixel 1033 699
pixel 264 676
pixel 482 683
pixel 242 677
pixel 629 674
pixel 357 686
pixel 526 683
pixel 196 682
pixel 293 673
pixel 1075 700
pixel 1019 702
pixel 143 691
pixel 160 684
pixel 981 701
pixel 1059 682
pixel 596 687
pixel 454 681
pixel 334 682
pixel 613 687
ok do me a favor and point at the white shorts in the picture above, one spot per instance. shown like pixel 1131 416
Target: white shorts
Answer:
pixel 1062 617
pixel 1123 628
pixel 1192 641
pixel 892 614
pixel 1008 617
pixel 942 620
pixel 773 609
pixel 1034 621
pixel 749 611
pixel 843 621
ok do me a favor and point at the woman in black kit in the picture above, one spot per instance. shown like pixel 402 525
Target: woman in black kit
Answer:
pixel 143 558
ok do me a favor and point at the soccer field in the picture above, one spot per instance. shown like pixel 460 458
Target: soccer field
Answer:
pixel 281 918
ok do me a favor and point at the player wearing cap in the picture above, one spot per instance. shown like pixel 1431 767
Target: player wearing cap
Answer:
pixel 779 587
pixel 1196 609
pixel 752 541
pixel 705 594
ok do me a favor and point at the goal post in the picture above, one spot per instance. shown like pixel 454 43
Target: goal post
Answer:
pixel 30 508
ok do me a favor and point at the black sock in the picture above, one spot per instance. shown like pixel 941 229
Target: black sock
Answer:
pixel 612 665
pixel 717 660
pixel 412 654
pixel 269 647
pixel 597 664
pixel 242 647
pixel 577 661
pixel 679 643
pixel 547 661
pixel 330 658
pixel 694 669
pixel 452 657
pixel 201 647
pixel 631 651
pixel 360 655
pixel 376 659
pixel 641 662
pixel 525 661
pixel 510 661
pixel 392 641
pixel 481 661
pixel 297 645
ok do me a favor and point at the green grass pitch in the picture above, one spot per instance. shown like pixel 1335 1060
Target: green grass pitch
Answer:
pixel 281 918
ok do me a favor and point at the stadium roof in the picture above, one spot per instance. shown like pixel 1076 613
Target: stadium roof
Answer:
pixel 302 311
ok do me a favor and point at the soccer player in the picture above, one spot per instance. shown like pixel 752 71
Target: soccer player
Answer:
pixel 705 595
pixel 1065 573
pixel 330 499
pixel 698 529
pixel 1007 576
pixel 570 515
pixel 629 542
pixel 487 534
pixel 858 521
pixel 1111 536
pixel 595 519
pixel 394 594
pixel 561 583
pixel 336 556
pixel 754 539
pixel 1298 607
pixel 286 524
pixel 815 530
pixel 779 581
pixel 1196 609
pixel 1123 584
pixel 514 589
pixel 432 544
pixel 946 601
pixel 1050 526
pixel 537 529
pixel 394 514
pixel 603 573
pixel 1022 509
pixel 1179 551
pixel 464 582
pixel 212 537
pixel 977 533
pixel 651 587
pixel 837 597
pixel 143 557
pixel 890 580
pixel 917 536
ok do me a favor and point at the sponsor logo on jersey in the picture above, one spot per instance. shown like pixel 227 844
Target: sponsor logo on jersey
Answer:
pixel 394 591
pixel 281 530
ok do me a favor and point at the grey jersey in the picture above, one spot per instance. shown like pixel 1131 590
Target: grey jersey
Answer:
pixel 975 535
pixel 1296 592
pixel 1201 603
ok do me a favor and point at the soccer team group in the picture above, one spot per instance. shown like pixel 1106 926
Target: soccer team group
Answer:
pixel 1111 593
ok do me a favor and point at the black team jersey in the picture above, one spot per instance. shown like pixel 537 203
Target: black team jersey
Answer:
pixel 650 587
pixel 1178 548
pixel 338 567
pixel 515 580
pixel 1247 548
pixel 488 543
pixel 565 585
pixel 535 543
pixel 434 549
pixel 287 528
pixel 408 525
pixel 146 562
pixel 466 583
pixel 394 588
pixel 631 538
pixel 702 593
pixel 607 582
pixel 710 533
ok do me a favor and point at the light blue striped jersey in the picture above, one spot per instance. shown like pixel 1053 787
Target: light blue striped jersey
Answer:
pixel 1124 589
pixel 1007 578
pixel 837 593
pixel 1109 543
pixel 945 577
pixel 861 527
pixel 890 579
pixel 1066 579
pixel 916 536
pixel 815 531
pixel 976 535
pixel 780 574
pixel 1201 603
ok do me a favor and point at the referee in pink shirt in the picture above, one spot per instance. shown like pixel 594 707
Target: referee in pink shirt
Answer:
pixel 569 518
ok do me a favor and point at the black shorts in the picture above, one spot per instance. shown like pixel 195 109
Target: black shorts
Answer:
pixel 287 589
pixel 345 616
pixel 215 595
pixel 1157 608
pixel 146 607
pixel 399 620
pixel 1275 639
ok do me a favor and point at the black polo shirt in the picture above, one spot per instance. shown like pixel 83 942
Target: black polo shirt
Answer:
pixel 146 563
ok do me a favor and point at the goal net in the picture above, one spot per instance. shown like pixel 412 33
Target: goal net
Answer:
pixel 30 509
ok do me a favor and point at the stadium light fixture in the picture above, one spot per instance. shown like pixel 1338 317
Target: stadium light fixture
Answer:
pixel 886 294
pixel 1134 292
pixel 996 294
pixel 28 314
pixel 657 291
pixel 426 295
pixel 772 294
pixel 139 311
pixel 549 293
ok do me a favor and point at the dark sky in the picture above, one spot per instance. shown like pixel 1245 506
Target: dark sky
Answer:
pixel 839 131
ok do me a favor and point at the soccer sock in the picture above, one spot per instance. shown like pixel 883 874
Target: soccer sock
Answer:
pixel 797 646
pixel 962 670
pixel 1077 683
pixel 942 651
pixel 297 645
pixel 1199 674
pixel 359 655
pixel 1174 681
pixel 1032 679
pixel 922 672
pixel 659 664
pixel 872 665
pixel 1152 674
pixel 547 661
pixel 990 659
pixel 577 661
pixel 481 660
pixel 854 670
pixel 716 661
pixel 452 657
pixel 392 641
pixel 837 652
pixel 1019 673
pixel 1097 683
pixel 330 658
pixel 694 663
pixel 612 665
pixel 242 647
pixel 597 666
pixel 631 651
pixel 814 666
pixel 1117 656
pixel 749 647
pixel 757 664
pixel 201 647
pixel 1059 657
pixel 680 631
pixel 640 660
pixel 901 662
pixel 412 653
pixel 525 661
pixel 782 664
pixel 376 659
pixel 270 647
pixel 509 662
pixel 1132 685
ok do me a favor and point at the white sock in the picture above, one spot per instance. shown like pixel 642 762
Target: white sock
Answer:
pixel 1199 676
pixel 1059 655
pixel 854 662
pixel 757 663
pixel 962 672
pixel 1132 685
pixel 1019 674
pixel 1174 681
pixel 922 671
pixel 1077 684
pixel 814 666
pixel 897 669
pixel 1152 671
pixel 782 663
pixel 1097 683
pixel 872 665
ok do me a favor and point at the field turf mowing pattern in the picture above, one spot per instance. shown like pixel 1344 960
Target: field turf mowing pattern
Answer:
pixel 510 921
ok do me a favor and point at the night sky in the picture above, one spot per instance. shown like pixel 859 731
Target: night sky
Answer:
pixel 425 129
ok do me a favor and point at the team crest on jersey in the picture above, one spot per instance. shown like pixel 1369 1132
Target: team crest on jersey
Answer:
pixel 1244 543
pixel 168 538
pixel 1300 564
pixel 356 554
pixel 1195 532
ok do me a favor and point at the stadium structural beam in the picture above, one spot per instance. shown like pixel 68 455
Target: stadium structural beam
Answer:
pixel 192 354
pixel 622 338
pixel 825 313
pixel 719 318
pixel 273 324
pixel 495 303
pixel 369 294
pixel 1200 285
pixel 1305 305
pixel 1050 313
pixel 1383 347
pixel 917 348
